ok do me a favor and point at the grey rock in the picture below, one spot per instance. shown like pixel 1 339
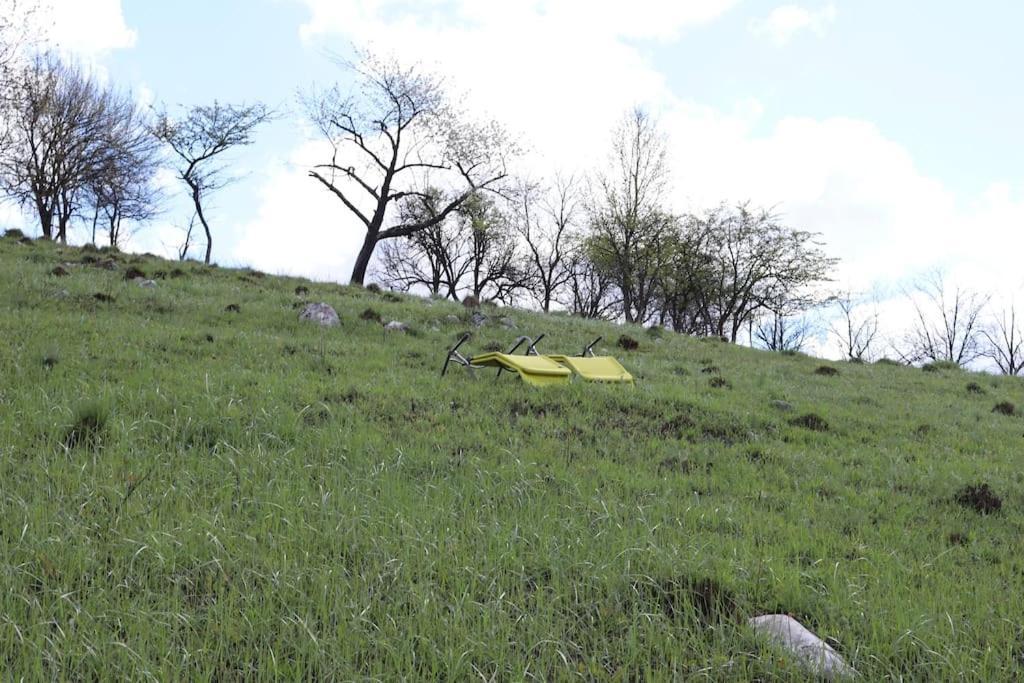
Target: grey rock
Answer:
pixel 320 313
pixel 108 264
pixel 508 323
pixel 452 318
pixel 396 326
pixel 145 283
pixel 784 406
pixel 478 319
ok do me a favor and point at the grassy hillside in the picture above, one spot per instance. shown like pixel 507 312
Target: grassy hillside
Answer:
pixel 189 492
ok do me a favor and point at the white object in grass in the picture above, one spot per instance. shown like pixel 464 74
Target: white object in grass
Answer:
pixel 815 654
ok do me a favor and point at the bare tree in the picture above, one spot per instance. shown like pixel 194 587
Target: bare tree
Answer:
pixel 588 293
pixel 472 251
pixel 435 258
pixel 65 136
pixel 780 330
pixel 19 34
pixel 123 188
pixel 187 242
pixel 946 324
pixel 547 221
pixel 757 264
pixel 855 332
pixel 628 221
pixel 400 133
pixel 494 271
pixel 1004 342
pixel 200 140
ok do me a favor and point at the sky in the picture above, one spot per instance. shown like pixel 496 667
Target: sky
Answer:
pixel 890 128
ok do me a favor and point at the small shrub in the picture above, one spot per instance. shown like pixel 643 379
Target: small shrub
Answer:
pixel 59 271
pixel 177 272
pixel 939 366
pixel 980 498
pixel 301 290
pixel 50 358
pixel 373 287
pixel 471 302
pixel 133 273
pixel 628 343
pixel 103 298
pixel 88 259
pixel 87 428
pixel 887 361
pixel 14 234
pixel 209 338
pixel 826 371
pixel 810 421
pixel 710 370
pixel 756 455
pixel 1005 408
pixel 232 308
pixel 957 538
pixel 89 248
pixel 370 315
pixel 675 464
pixel 160 275
pixel 391 296
pixel 719 383
pixel 493 346
pixel 655 332
pixel 974 388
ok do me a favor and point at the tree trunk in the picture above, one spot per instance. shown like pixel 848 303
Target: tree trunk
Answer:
pixel 202 219
pixel 363 259
pixel 46 224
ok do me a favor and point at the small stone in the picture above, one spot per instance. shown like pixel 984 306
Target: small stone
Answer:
pixel 145 283
pixel 452 318
pixel 508 323
pixel 320 313
pixel 59 271
pixel 396 326
pixel 478 319
pixel 107 264
pixel 784 406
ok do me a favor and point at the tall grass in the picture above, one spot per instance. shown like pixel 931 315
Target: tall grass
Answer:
pixel 250 497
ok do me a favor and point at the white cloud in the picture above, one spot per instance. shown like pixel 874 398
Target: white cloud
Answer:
pixel 784 22
pixel 555 92
pixel 841 177
pixel 87 28
pixel 300 228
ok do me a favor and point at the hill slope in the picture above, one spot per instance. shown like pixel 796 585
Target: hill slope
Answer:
pixel 188 492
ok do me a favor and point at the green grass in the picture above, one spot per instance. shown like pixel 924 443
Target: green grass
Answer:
pixel 248 496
